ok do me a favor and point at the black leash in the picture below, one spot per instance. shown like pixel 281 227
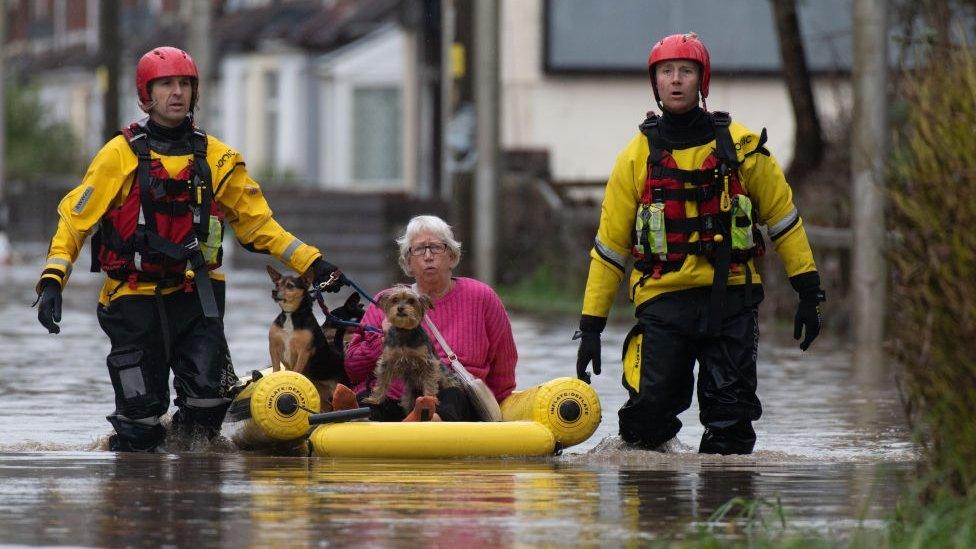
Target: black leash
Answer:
pixel 316 292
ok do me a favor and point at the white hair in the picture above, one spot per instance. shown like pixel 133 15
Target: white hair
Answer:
pixel 434 225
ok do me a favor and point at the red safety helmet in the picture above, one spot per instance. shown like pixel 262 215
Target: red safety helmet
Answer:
pixel 681 46
pixel 162 62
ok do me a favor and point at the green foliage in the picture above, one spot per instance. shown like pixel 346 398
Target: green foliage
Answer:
pixel 542 291
pixel 35 144
pixel 943 522
pixel 933 192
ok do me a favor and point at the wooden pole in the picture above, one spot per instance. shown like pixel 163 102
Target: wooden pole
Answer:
pixel 199 46
pixel 485 207
pixel 109 52
pixel 868 160
pixel 4 239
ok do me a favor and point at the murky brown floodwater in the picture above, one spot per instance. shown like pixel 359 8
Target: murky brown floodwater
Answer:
pixel 832 448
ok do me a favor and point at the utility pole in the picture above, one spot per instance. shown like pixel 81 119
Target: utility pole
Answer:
pixel 4 238
pixel 198 14
pixel 868 158
pixel 487 113
pixel 110 50
pixel 448 98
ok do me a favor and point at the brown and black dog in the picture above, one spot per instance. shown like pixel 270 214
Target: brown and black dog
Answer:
pixel 408 353
pixel 296 340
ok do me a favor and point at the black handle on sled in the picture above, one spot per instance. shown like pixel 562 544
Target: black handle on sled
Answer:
pixel 338 416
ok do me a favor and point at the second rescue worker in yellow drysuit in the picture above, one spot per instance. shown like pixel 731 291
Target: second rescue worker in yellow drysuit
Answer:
pixel 158 196
pixel 689 223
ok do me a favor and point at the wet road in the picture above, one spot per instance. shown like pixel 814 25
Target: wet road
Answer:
pixel 833 449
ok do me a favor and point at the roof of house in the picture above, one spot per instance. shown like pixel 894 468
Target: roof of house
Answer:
pixel 310 25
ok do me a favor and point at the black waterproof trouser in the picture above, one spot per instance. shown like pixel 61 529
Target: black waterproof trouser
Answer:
pixel 674 326
pixel 142 355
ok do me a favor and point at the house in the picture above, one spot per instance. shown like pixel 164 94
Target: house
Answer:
pixel 574 72
pixel 343 96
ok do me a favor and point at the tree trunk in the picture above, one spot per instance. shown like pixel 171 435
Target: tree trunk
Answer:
pixel 808 142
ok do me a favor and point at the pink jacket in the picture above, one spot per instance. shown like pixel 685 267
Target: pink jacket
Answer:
pixel 474 323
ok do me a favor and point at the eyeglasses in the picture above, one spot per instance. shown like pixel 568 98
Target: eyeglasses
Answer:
pixel 436 248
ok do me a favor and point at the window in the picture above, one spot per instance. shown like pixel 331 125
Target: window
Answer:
pixel 377 128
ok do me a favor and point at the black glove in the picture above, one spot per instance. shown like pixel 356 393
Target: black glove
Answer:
pixel 49 305
pixel 589 347
pixel 326 276
pixel 808 320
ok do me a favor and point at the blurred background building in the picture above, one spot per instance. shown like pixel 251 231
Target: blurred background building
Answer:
pixel 355 115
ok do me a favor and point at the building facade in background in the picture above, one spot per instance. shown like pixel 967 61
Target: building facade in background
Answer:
pixel 328 93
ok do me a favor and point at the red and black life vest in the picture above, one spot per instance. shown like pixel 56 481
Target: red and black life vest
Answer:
pixel 727 234
pixel 167 230
pixel 663 230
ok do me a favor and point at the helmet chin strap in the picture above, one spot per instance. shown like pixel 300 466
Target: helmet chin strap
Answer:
pixel 146 107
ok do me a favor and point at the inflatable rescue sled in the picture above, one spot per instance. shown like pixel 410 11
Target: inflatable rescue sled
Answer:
pixel 276 409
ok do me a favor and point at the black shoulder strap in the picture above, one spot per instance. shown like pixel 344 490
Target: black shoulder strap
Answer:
pixel 725 149
pixel 202 182
pixel 651 130
pixel 139 143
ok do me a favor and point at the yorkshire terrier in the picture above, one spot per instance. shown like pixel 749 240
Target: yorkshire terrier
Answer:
pixel 408 353
pixel 296 340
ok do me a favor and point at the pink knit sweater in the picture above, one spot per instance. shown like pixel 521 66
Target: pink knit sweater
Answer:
pixel 474 323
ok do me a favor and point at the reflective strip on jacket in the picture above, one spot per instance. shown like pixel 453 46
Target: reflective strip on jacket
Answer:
pixel 760 176
pixel 108 181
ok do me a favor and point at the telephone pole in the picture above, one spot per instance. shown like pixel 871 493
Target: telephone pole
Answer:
pixel 109 52
pixel 198 15
pixel 868 159
pixel 4 239
pixel 485 205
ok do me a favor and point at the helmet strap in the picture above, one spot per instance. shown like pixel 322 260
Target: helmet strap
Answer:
pixel 146 107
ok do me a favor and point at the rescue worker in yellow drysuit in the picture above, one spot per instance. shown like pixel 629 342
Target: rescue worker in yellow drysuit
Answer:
pixel 684 199
pixel 155 199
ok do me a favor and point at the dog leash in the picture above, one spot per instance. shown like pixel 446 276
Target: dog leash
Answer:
pixel 346 280
pixel 316 292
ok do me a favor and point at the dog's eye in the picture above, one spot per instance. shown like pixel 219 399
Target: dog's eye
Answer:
pixel 290 285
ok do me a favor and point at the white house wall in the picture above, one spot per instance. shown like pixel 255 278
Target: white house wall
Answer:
pixel 245 103
pixel 585 120
pixel 376 60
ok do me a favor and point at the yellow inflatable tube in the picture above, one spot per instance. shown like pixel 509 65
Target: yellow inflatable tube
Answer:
pixel 539 421
pixel 272 410
pixel 432 439
pixel 567 406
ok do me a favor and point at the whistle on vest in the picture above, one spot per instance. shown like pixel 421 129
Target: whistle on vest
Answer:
pixel 725 203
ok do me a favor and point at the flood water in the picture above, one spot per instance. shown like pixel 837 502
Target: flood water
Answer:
pixel 832 449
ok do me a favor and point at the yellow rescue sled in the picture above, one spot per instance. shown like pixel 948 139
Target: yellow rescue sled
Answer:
pixel 275 410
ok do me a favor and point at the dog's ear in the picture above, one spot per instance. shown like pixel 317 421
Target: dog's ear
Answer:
pixel 426 302
pixel 354 306
pixel 275 275
pixel 384 300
